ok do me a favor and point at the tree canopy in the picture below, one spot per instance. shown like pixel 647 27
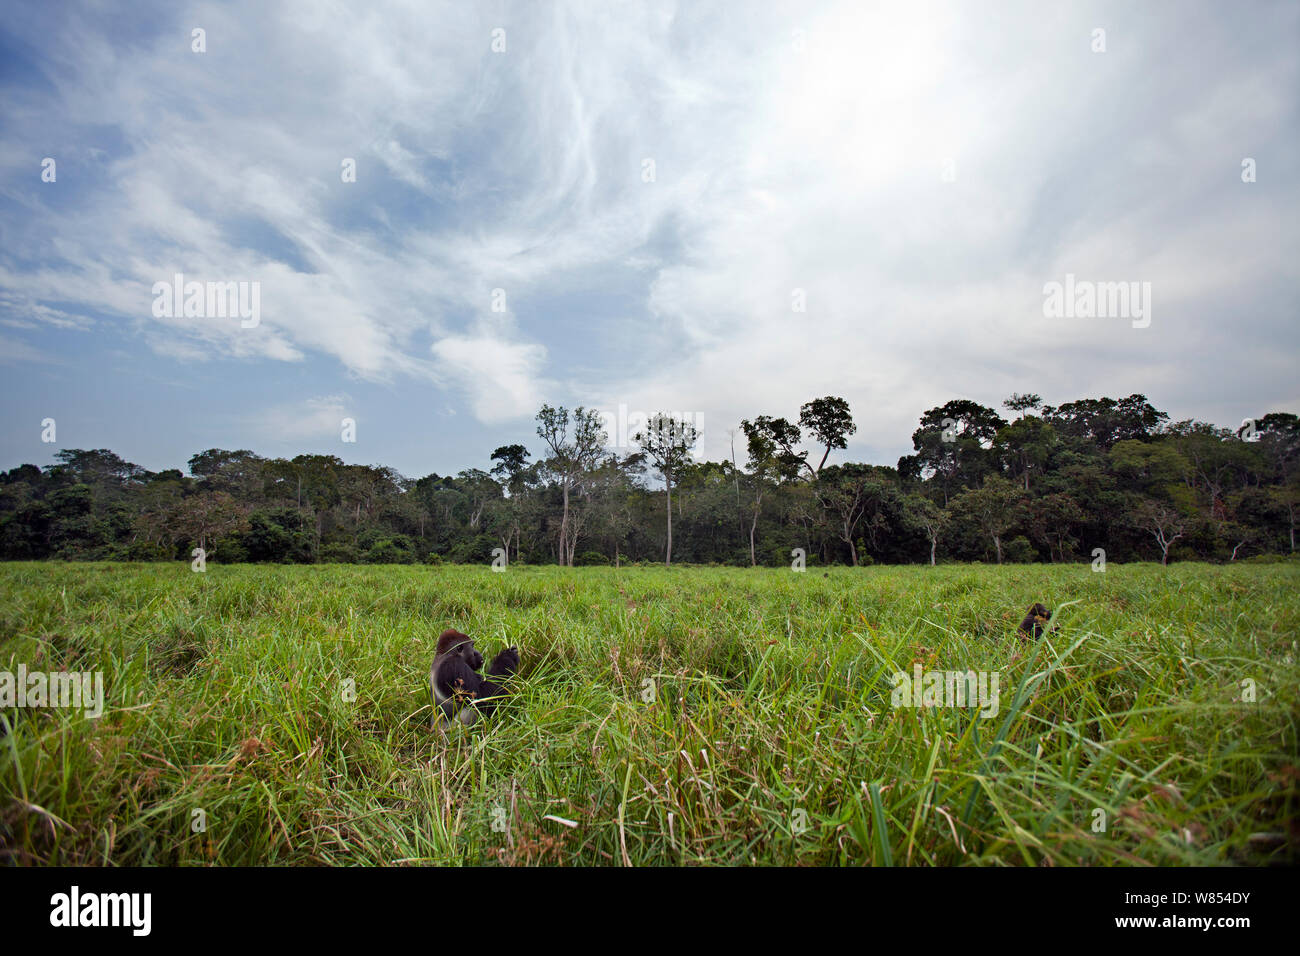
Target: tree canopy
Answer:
pixel 1056 483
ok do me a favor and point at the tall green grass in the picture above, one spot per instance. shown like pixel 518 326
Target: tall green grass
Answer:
pixel 683 716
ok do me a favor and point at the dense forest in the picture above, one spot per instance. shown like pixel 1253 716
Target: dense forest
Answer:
pixel 1050 484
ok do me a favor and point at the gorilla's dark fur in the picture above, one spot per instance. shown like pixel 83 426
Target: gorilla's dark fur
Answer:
pixel 1035 621
pixel 459 693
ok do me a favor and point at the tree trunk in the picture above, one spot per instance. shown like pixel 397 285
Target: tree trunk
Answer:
pixel 735 474
pixel 997 543
pixel 668 556
pixel 934 543
pixel 564 523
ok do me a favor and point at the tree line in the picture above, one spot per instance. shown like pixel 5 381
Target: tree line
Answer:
pixel 1048 483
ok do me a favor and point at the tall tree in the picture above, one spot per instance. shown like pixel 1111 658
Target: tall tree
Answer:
pixel 993 506
pixel 765 468
pixel 667 443
pixel 929 518
pixel 830 422
pixel 1028 402
pixel 783 436
pixel 847 493
pixel 1161 519
pixel 1104 421
pixel 952 446
pixel 207 517
pixel 513 469
pixel 570 460
pixel 1025 446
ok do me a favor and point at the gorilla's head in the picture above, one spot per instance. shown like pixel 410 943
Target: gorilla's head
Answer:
pixel 460 645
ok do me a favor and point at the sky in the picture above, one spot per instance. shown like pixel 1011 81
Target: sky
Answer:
pixel 716 210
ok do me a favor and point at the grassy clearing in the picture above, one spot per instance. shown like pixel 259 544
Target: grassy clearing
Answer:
pixel 769 737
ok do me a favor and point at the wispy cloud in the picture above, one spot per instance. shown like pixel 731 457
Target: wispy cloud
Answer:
pixel 310 420
pixel 652 185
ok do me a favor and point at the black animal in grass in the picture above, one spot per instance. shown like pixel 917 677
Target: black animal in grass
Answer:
pixel 1035 622
pixel 459 692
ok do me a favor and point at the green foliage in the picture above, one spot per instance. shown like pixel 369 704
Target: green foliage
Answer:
pixel 396 550
pixel 339 552
pixel 278 535
pixel 1067 479
pixel 1019 551
pixel 477 550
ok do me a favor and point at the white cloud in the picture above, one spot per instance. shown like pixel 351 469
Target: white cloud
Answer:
pixel 311 420
pixel 500 378
pixel 775 169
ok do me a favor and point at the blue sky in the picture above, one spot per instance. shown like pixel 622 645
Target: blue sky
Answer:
pixel 918 171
